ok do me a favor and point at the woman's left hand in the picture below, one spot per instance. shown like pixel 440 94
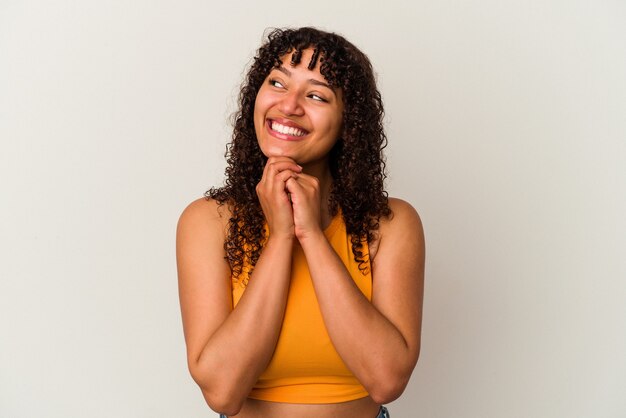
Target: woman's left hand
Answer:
pixel 305 199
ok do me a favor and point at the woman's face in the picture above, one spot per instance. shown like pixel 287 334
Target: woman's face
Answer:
pixel 296 113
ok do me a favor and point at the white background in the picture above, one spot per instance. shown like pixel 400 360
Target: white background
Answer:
pixel 507 131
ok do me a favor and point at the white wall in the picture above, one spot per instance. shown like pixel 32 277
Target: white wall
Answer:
pixel 507 131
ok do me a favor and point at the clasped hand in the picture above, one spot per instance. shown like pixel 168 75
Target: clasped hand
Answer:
pixel 290 199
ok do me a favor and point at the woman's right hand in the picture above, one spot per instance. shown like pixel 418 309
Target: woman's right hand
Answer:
pixel 274 197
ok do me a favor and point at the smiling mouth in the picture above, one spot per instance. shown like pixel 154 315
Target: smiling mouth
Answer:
pixel 291 131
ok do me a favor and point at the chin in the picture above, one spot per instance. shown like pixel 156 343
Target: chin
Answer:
pixel 278 152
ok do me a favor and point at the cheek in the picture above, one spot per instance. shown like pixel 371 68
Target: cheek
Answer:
pixel 259 112
pixel 262 103
pixel 258 103
pixel 334 125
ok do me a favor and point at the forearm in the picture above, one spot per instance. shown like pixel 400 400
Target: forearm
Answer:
pixel 370 345
pixel 240 349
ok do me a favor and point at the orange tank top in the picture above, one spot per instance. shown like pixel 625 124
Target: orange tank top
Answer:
pixel 305 367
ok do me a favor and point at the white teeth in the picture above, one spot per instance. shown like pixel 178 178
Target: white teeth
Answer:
pixel 287 130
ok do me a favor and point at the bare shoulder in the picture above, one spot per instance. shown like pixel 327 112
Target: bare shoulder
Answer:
pixel 204 214
pixel 403 214
pixel 403 225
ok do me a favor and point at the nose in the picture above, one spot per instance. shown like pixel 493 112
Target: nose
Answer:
pixel 290 104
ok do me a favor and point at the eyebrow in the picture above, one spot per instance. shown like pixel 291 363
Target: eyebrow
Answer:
pixel 311 80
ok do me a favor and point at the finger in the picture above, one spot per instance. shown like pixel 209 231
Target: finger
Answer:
pixel 293 186
pixel 285 175
pixel 307 181
pixel 272 168
pixel 275 184
pixel 280 160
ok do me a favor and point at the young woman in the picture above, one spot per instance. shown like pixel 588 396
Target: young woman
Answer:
pixel 301 282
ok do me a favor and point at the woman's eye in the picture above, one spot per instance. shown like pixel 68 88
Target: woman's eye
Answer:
pixel 276 83
pixel 316 97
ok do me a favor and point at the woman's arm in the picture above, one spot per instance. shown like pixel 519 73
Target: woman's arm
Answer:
pixel 227 349
pixel 378 341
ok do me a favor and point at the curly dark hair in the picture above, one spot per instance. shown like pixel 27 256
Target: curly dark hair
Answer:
pixel 356 161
